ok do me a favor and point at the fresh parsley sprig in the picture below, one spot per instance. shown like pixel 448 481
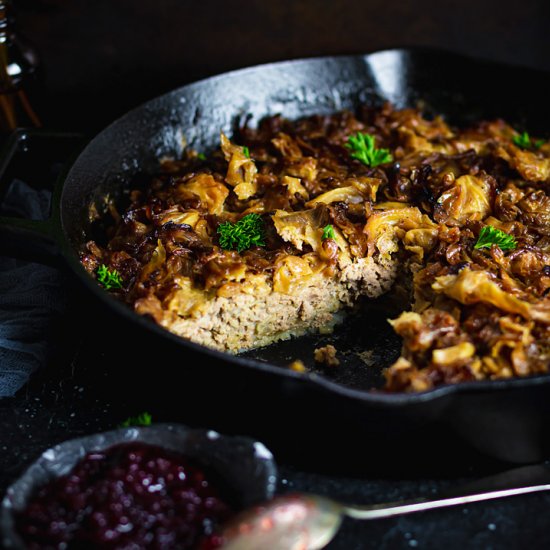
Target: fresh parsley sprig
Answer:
pixel 242 235
pixel 246 151
pixel 109 278
pixel 525 141
pixel 490 235
pixel 328 232
pixel 142 419
pixel 363 149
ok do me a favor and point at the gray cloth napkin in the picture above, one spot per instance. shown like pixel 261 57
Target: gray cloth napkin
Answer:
pixel 31 296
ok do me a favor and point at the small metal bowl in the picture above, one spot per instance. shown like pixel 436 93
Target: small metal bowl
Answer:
pixel 246 467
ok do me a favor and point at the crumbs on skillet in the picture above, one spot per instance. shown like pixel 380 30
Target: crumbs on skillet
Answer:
pixel 326 355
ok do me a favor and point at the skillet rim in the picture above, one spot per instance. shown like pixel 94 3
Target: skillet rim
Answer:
pixel 317 382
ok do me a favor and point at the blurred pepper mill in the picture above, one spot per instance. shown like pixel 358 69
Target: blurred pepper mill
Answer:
pixel 18 67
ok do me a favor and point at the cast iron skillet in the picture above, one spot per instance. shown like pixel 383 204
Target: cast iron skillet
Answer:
pixel 505 419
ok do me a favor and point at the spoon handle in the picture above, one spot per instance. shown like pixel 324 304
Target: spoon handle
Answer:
pixel 519 481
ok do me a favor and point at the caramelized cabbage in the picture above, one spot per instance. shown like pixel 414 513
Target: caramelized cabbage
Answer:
pixel 156 263
pixel 302 227
pixel 295 188
pixel 467 199
pixel 471 287
pixel 340 194
pixel 305 168
pixel 287 146
pixel 211 192
pixel 241 172
pixel 291 272
pixel 190 217
pixel 454 355
pixel 530 165
pixel 385 228
pixel 186 300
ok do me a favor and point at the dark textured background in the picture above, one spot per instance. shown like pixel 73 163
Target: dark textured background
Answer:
pixel 101 57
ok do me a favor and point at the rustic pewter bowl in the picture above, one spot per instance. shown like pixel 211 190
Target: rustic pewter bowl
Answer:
pixel 245 467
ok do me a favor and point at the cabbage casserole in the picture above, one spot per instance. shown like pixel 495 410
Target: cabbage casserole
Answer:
pixel 336 227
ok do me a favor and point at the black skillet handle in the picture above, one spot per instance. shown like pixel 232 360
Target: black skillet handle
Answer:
pixel 38 158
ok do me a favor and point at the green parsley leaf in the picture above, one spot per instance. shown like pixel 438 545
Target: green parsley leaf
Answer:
pixel 525 141
pixel 242 235
pixel 201 156
pixel 522 140
pixel 362 148
pixel 143 419
pixel 246 151
pixel 490 235
pixel 110 279
pixel 328 232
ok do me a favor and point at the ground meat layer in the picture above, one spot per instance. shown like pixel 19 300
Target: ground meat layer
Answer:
pixel 245 321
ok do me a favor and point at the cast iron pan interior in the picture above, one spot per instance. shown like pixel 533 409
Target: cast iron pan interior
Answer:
pixel 460 88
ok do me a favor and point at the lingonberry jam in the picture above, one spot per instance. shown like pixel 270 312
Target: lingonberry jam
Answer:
pixel 131 495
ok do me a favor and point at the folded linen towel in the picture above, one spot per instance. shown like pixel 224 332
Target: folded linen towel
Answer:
pixel 31 296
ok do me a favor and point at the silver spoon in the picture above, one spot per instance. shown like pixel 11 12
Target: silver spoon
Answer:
pixel 309 522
